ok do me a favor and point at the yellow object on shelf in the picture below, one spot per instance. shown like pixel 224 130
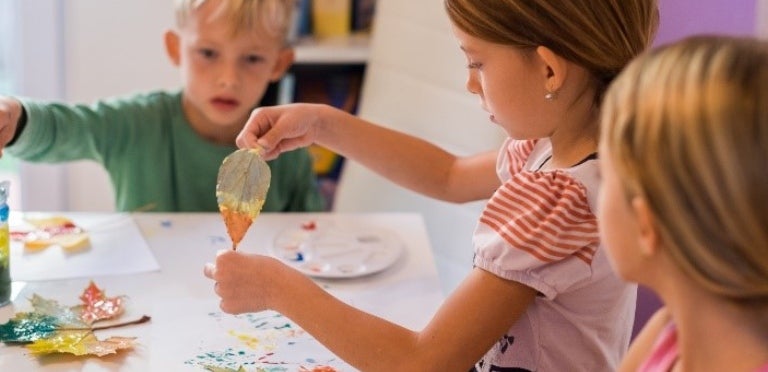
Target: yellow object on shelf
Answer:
pixel 331 18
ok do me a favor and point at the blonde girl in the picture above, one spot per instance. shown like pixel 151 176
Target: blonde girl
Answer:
pixel 684 205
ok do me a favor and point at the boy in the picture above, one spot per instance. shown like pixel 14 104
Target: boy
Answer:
pixel 162 150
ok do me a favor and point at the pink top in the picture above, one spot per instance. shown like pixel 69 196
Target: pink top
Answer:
pixel 539 229
pixel 665 353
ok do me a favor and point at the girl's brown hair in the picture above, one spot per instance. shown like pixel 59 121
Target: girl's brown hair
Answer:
pixel 600 35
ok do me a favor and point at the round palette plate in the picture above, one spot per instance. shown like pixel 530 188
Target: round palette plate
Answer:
pixel 327 250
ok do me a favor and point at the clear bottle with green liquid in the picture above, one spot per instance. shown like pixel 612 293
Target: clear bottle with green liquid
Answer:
pixel 5 246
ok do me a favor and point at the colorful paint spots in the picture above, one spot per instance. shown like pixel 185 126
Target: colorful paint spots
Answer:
pixel 266 342
pixel 228 359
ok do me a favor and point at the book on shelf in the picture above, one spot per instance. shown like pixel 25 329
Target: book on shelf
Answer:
pixel 329 18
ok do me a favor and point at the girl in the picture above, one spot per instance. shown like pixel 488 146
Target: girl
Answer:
pixel 542 296
pixel 684 152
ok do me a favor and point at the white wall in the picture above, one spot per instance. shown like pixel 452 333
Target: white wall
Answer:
pixel 113 47
pixel 39 73
pixel 106 48
pixel 415 82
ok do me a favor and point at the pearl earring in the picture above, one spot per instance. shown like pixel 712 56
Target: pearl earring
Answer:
pixel 550 96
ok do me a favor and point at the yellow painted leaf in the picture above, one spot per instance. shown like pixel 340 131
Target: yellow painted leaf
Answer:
pixel 241 189
pixel 80 343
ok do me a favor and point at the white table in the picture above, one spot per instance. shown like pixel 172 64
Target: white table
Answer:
pixel 407 293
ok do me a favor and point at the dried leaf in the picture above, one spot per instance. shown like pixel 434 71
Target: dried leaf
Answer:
pixel 98 306
pixel 64 316
pixel 81 342
pixel 241 189
pixel 52 328
pixel 28 327
pixel 54 230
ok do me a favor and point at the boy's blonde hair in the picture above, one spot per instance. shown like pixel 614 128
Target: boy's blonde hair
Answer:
pixel 272 16
pixel 600 35
pixel 686 128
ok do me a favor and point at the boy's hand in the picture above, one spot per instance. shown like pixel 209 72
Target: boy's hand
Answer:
pixel 10 111
pixel 278 129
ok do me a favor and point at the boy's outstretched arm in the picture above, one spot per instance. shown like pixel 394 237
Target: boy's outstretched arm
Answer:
pixel 402 158
pixel 10 112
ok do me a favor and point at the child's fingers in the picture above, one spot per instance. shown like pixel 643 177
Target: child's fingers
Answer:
pixel 209 270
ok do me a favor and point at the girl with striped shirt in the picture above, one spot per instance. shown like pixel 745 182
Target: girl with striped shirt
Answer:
pixel 541 295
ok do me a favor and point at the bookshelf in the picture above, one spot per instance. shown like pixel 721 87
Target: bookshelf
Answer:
pixel 330 71
pixel 331 40
pixel 344 54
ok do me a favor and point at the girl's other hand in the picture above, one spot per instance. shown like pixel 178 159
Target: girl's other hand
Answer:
pixel 244 282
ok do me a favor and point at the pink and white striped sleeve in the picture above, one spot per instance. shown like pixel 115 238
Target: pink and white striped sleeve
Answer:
pixel 538 229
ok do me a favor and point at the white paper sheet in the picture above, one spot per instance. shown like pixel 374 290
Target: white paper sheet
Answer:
pixel 191 334
pixel 116 247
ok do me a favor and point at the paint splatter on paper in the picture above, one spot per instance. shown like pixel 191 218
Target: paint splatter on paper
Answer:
pixel 193 334
pixel 265 342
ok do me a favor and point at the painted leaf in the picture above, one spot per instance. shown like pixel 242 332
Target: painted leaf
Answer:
pixel 52 328
pixel 80 342
pixel 47 317
pixel 27 327
pixel 64 316
pixel 97 306
pixel 241 188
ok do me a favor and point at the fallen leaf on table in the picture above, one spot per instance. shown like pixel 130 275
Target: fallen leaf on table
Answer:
pixel 53 328
pixel 97 306
pixel 28 327
pixel 80 343
pixel 54 230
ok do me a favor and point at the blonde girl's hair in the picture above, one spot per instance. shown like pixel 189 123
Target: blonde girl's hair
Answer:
pixel 272 16
pixel 686 128
pixel 600 35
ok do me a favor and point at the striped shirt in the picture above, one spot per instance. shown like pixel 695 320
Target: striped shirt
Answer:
pixel 539 229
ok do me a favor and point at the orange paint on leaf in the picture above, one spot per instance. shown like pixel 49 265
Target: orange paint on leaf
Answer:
pixel 237 224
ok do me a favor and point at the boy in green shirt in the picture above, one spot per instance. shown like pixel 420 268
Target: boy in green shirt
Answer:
pixel 162 150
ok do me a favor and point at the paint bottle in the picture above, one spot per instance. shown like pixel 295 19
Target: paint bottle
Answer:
pixel 5 246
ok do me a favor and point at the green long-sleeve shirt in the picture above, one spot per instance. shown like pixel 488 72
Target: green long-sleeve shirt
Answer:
pixel 154 159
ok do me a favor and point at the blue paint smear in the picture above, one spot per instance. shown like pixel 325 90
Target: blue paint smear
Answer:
pixel 229 358
pixel 217 239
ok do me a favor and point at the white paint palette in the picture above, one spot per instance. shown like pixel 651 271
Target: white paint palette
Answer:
pixel 324 249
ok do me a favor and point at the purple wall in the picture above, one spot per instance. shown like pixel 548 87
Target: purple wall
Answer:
pixel 680 18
